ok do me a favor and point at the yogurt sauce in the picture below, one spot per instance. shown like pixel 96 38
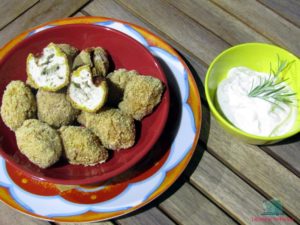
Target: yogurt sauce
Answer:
pixel 252 114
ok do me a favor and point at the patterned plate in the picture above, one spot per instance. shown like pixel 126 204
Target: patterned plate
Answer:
pixel 139 185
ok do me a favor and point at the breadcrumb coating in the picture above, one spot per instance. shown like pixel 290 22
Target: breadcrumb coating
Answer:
pixel 141 95
pixel 114 129
pixel 117 81
pixel 39 142
pixel 18 104
pixel 82 147
pixel 100 61
pixel 55 109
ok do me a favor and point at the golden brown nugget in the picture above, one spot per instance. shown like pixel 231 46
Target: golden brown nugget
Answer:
pixel 85 92
pixel 96 58
pixel 55 109
pixel 100 61
pixel 39 142
pixel 114 129
pixel 49 71
pixel 117 81
pixel 82 147
pixel 141 95
pixel 70 52
pixel 18 104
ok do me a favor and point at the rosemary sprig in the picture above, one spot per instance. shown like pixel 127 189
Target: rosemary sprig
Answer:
pixel 274 89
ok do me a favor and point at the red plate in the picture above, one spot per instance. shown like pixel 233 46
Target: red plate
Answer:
pixel 126 53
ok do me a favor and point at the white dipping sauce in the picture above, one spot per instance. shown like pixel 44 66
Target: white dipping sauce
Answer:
pixel 252 114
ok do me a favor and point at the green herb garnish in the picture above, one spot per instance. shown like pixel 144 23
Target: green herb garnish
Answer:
pixel 274 89
pixel 76 84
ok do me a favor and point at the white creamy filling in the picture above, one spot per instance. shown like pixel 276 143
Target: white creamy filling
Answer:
pixel 84 92
pixel 49 70
pixel 251 114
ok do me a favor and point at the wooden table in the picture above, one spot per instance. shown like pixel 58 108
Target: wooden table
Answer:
pixel 227 181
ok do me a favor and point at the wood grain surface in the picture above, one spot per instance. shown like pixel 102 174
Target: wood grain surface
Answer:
pixel 289 9
pixel 94 223
pixel 16 8
pixel 229 191
pixel 9 216
pixel 182 29
pixel 151 216
pixel 265 21
pixel 189 206
pixel 257 168
pixel 43 11
pixel 219 21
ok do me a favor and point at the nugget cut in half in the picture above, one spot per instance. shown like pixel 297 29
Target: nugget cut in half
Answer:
pixel 141 95
pixel 55 109
pixel 85 94
pixel 70 52
pixel 114 129
pixel 50 71
pixel 39 142
pixel 96 58
pixel 82 147
pixel 18 104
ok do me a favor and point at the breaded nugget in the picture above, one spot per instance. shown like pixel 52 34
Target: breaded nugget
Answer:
pixel 50 71
pixel 39 142
pixel 141 95
pixel 100 61
pixel 85 92
pixel 70 52
pixel 55 109
pixel 82 147
pixel 114 129
pixel 96 58
pixel 18 104
pixel 117 81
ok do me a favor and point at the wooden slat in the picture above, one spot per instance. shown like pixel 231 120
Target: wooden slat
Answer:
pixel 94 223
pixel 287 153
pixel 289 9
pixel 218 21
pixel 109 8
pixel 10 9
pixel 254 165
pixel 188 206
pixel 151 216
pixel 11 217
pixel 41 12
pixel 229 191
pixel 264 21
pixel 174 24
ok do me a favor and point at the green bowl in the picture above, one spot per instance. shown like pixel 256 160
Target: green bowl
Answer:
pixel 256 56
